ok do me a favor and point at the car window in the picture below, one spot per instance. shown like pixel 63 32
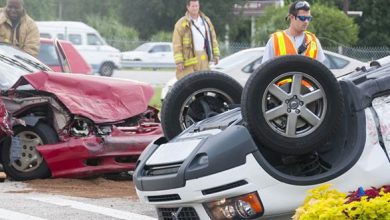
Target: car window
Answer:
pixel 166 48
pixel 336 62
pixel 239 58
pixel 61 36
pixel 157 49
pixel 93 39
pixel 45 35
pixel 75 39
pixel 327 62
pixel 48 55
pixel 14 63
pixel 143 47
pixel 252 66
pixel 61 55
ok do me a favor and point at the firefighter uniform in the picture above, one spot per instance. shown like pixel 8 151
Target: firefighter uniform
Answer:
pixel 184 50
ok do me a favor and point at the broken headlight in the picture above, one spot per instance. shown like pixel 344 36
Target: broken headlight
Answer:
pixel 246 206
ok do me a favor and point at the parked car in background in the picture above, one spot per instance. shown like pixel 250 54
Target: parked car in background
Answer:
pixel 65 126
pixel 62 56
pixel 102 57
pixel 241 65
pixel 152 52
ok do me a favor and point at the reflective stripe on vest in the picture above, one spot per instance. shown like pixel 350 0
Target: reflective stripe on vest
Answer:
pixel 284 46
pixel 312 48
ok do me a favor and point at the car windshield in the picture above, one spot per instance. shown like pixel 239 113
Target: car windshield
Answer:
pixel 238 58
pixel 143 47
pixel 15 63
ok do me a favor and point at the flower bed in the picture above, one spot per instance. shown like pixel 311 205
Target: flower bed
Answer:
pixel 326 203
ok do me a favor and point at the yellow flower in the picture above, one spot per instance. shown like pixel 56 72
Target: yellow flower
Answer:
pixel 328 204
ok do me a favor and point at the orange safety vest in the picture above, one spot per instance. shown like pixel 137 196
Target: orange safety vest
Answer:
pixel 283 44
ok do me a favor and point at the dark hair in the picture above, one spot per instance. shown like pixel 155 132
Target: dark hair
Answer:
pixel 189 1
pixel 298 5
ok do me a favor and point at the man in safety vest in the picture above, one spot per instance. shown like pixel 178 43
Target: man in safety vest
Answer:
pixel 295 39
pixel 194 41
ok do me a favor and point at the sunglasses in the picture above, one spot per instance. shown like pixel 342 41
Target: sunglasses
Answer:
pixel 302 4
pixel 304 18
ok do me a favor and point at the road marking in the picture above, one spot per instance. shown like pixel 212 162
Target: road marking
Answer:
pixel 7 214
pixel 92 208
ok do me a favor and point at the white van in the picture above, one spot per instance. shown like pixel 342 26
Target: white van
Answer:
pixel 102 57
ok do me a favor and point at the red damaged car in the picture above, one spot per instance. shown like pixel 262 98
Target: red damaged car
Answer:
pixel 62 56
pixel 70 125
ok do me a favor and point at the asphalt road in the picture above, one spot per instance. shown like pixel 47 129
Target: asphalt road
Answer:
pixel 18 201
pixel 157 78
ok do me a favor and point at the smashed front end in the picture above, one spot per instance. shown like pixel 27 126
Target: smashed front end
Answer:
pixel 76 131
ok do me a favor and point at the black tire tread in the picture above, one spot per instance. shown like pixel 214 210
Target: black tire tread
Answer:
pixel 48 136
pixel 187 85
pixel 261 132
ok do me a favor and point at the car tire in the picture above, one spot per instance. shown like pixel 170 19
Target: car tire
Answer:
pixel 107 69
pixel 287 120
pixel 195 97
pixel 35 168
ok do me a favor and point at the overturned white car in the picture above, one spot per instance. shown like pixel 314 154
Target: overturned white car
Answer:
pixel 297 127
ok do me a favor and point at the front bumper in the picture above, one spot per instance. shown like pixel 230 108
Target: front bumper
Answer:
pixel 88 156
pixel 236 181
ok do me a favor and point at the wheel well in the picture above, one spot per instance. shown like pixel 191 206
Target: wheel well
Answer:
pixel 35 114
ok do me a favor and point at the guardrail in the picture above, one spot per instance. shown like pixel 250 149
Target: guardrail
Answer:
pixel 140 64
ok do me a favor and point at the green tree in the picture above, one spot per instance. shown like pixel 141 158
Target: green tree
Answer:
pixel 330 25
pixel 150 17
pixel 109 27
pixel 162 36
pixel 374 23
pixel 38 10
pixel 77 10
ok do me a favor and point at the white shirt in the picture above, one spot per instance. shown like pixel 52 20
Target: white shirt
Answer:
pixel 297 40
pixel 196 36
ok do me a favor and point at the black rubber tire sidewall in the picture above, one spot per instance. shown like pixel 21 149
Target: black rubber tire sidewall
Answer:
pixel 189 84
pixel 109 74
pixel 252 105
pixel 48 136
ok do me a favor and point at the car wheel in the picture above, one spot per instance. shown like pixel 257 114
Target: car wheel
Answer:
pixel 292 104
pixel 195 97
pixel 29 163
pixel 107 69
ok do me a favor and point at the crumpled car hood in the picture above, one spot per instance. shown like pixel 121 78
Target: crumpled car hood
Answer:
pixel 100 99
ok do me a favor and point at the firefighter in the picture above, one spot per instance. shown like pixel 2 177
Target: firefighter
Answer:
pixel 194 41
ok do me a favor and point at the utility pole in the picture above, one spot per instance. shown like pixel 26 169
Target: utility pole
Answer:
pixel 346 6
pixel 60 6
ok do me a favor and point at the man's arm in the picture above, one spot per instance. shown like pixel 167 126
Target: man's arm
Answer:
pixel 320 54
pixel 178 47
pixel 269 51
pixel 32 43
pixel 215 46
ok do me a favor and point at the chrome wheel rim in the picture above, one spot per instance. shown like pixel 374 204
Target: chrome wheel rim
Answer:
pixel 30 159
pixel 203 104
pixel 294 104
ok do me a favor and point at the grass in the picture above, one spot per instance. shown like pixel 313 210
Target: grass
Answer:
pixel 155 101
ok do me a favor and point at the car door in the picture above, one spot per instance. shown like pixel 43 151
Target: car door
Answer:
pixel 161 54
pixel 72 60
pixel 48 54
